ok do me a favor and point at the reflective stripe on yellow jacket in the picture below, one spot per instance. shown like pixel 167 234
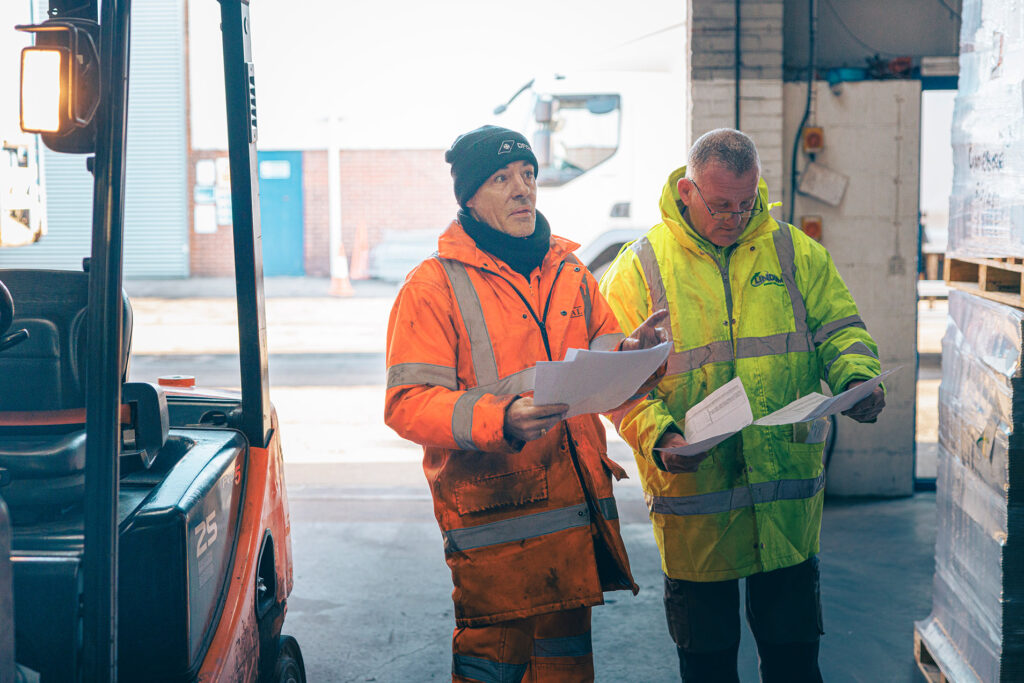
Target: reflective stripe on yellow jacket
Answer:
pixel 525 531
pixel 773 310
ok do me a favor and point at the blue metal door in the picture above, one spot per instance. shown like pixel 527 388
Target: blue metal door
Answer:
pixel 281 212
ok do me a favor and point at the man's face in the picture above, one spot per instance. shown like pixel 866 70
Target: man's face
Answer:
pixel 506 201
pixel 714 198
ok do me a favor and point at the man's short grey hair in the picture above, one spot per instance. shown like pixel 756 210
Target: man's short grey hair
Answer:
pixel 725 146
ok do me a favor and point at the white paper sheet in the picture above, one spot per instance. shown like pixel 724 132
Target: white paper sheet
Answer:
pixel 815 405
pixel 724 412
pixel 727 410
pixel 595 381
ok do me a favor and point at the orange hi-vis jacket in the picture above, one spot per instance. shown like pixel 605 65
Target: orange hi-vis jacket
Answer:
pixel 528 529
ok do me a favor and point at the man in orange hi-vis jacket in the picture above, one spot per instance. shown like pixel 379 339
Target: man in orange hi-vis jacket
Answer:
pixel 523 497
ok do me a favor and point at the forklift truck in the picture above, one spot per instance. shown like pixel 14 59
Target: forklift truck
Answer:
pixel 149 537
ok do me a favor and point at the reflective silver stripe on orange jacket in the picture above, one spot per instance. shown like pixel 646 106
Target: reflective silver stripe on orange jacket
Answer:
pixel 462 414
pixel 516 528
pixel 484 366
pixel 567 646
pixel 608 508
pixel 404 374
pixel 739 497
pixel 486 671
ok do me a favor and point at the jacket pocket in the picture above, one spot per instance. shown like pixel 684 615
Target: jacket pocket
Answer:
pixel 502 490
pixel 613 468
pixel 800 460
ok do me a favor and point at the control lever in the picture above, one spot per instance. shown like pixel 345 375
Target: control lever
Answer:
pixel 13 339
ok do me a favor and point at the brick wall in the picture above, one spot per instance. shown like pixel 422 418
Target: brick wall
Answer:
pixel 381 191
pixel 210 254
pixel 314 191
pixel 713 77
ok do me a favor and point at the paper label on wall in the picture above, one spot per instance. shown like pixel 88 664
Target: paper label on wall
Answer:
pixel 823 183
pixel 204 219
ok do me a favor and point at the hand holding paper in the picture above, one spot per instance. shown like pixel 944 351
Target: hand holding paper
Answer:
pixel 727 410
pixel 723 413
pixel 815 405
pixel 675 462
pixel 596 381
pixel 867 409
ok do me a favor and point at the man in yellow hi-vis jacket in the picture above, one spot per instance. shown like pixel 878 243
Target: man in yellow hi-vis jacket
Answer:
pixel 753 298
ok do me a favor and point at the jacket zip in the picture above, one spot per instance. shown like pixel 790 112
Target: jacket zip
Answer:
pixel 723 271
pixel 541 322
pixel 542 325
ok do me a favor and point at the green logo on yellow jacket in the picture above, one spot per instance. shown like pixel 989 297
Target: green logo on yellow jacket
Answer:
pixel 760 278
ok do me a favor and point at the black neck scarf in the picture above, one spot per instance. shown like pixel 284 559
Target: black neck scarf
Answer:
pixel 522 254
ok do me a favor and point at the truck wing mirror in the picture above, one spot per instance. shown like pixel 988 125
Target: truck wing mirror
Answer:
pixel 60 84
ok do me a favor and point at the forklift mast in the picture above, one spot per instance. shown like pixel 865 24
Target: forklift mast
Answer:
pixel 240 95
pixel 105 294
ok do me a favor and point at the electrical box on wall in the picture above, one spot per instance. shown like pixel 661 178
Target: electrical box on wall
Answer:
pixel 811 225
pixel 813 139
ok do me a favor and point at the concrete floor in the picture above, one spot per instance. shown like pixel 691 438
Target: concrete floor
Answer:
pixel 372 592
pixel 371 599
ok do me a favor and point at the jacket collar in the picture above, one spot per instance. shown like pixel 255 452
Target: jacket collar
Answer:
pixel 454 243
pixel 761 223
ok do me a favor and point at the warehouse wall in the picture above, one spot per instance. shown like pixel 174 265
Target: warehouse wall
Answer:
pixel 872 133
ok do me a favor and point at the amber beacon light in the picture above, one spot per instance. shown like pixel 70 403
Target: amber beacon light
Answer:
pixel 60 84
pixel 44 88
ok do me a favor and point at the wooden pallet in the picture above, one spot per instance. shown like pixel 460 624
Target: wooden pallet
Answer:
pixel 925 662
pixel 996 279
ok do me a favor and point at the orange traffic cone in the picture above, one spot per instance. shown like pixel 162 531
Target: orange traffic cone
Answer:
pixel 340 284
pixel 360 268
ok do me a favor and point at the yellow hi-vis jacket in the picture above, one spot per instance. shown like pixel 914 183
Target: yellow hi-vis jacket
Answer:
pixel 773 310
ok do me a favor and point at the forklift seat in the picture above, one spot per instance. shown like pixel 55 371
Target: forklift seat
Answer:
pixel 47 371
pixel 42 390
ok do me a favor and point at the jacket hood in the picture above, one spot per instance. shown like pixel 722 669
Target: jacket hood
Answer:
pixel 761 222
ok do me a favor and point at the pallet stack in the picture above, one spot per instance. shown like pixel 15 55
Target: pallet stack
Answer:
pixel 976 629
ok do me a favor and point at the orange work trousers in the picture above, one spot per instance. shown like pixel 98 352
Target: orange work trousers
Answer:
pixel 548 648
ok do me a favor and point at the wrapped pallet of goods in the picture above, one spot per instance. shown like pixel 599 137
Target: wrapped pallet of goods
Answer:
pixel 976 629
pixel 986 208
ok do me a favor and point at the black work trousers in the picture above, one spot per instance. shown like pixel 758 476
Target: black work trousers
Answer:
pixel 784 613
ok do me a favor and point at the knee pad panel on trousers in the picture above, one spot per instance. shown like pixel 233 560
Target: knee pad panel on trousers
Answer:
pixel 703 616
pixel 784 606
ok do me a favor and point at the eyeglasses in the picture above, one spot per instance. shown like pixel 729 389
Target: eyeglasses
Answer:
pixel 724 215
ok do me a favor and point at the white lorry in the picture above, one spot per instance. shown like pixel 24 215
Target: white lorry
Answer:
pixel 606 140
pixel 22 205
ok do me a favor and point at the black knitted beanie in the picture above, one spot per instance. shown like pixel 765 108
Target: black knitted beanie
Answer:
pixel 476 155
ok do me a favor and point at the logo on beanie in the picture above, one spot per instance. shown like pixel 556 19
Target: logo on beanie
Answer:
pixel 507 146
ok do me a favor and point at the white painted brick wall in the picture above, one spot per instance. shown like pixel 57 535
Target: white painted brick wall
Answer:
pixel 871 136
pixel 712 36
pixel 712 82
pixel 760 117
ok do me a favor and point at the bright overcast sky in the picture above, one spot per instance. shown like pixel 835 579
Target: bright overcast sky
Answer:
pixel 405 73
